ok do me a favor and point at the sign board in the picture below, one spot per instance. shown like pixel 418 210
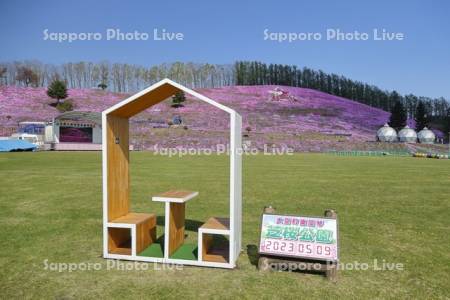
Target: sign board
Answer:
pixel 298 236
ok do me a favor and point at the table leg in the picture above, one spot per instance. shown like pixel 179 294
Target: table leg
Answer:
pixel 176 226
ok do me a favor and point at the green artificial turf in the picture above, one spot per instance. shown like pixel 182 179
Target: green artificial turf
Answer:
pixel 154 250
pixel 392 209
pixel 186 251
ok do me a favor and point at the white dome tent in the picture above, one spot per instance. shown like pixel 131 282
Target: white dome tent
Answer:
pixel 407 135
pixel 386 134
pixel 426 136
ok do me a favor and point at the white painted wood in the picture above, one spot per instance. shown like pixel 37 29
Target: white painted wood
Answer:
pixel 178 86
pixel 214 231
pixel 175 200
pixel 200 246
pixel 199 263
pixel 134 97
pixel 235 231
pixel 166 230
pixel 105 185
pixel 133 240
pixel 132 228
pixel 237 184
pixel 201 232
pixel 170 261
pixel 121 225
pixel 135 258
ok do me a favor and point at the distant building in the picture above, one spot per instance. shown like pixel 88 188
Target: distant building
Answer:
pixel 407 135
pixel 75 130
pixel 426 136
pixel 386 134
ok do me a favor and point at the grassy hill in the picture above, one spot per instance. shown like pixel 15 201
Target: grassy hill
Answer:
pixel 304 119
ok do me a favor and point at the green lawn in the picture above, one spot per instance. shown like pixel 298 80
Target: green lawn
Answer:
pixel 389 208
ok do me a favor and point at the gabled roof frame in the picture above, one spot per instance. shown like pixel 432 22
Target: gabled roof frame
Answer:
pixel 140 101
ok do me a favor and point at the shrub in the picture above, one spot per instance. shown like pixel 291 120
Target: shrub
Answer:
pixel 247 129
pixel 65 106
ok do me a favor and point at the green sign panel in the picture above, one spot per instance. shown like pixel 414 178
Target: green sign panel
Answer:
pixel 297 236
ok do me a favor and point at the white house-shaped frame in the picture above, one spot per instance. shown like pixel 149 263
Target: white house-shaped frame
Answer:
pixel 119 224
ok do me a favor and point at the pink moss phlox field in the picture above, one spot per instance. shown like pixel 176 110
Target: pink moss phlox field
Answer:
pixel 32 104
pixel 301 118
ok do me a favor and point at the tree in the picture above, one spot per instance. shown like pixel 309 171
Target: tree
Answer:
pixel 129 78
pixel 447 126
pixel 27 76
pixel 104 72
pixel 178 99
pixel 398 116
pixel 421 116
pixel 3 75
pixel 57 90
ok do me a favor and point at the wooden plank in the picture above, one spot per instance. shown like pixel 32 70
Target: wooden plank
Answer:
pixel 145 231
pixel 176 226
pixel 217 223
pixel 220 257
pixel 145 101
pixel 214 253
pixel 119 241
pixel 176 194
pixel 121 251
pixel 118 167
pixel 207 242
pixel 135 218
pixel 146 235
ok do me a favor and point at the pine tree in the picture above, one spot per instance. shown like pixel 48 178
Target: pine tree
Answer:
pixel 57 90
pixel 398 116
pixel 178 99
pixel 421 116
pixel 447 126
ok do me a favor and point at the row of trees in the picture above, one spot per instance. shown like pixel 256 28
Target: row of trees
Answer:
pixel 116 77
pixel 257 73
pixel 399 117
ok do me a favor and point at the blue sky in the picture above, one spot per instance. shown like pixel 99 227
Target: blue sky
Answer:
pixel 225 31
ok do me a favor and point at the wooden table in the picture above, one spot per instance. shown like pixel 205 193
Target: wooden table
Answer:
pixel 175 218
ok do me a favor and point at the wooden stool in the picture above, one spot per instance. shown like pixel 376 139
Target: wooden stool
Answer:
pixel 207 251
pixel 120 237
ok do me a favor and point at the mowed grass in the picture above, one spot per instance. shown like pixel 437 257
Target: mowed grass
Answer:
pixel 389 208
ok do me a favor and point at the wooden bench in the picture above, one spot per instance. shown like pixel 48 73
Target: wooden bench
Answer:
pixel 208 251
pixel 119 241
pixel 216 223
